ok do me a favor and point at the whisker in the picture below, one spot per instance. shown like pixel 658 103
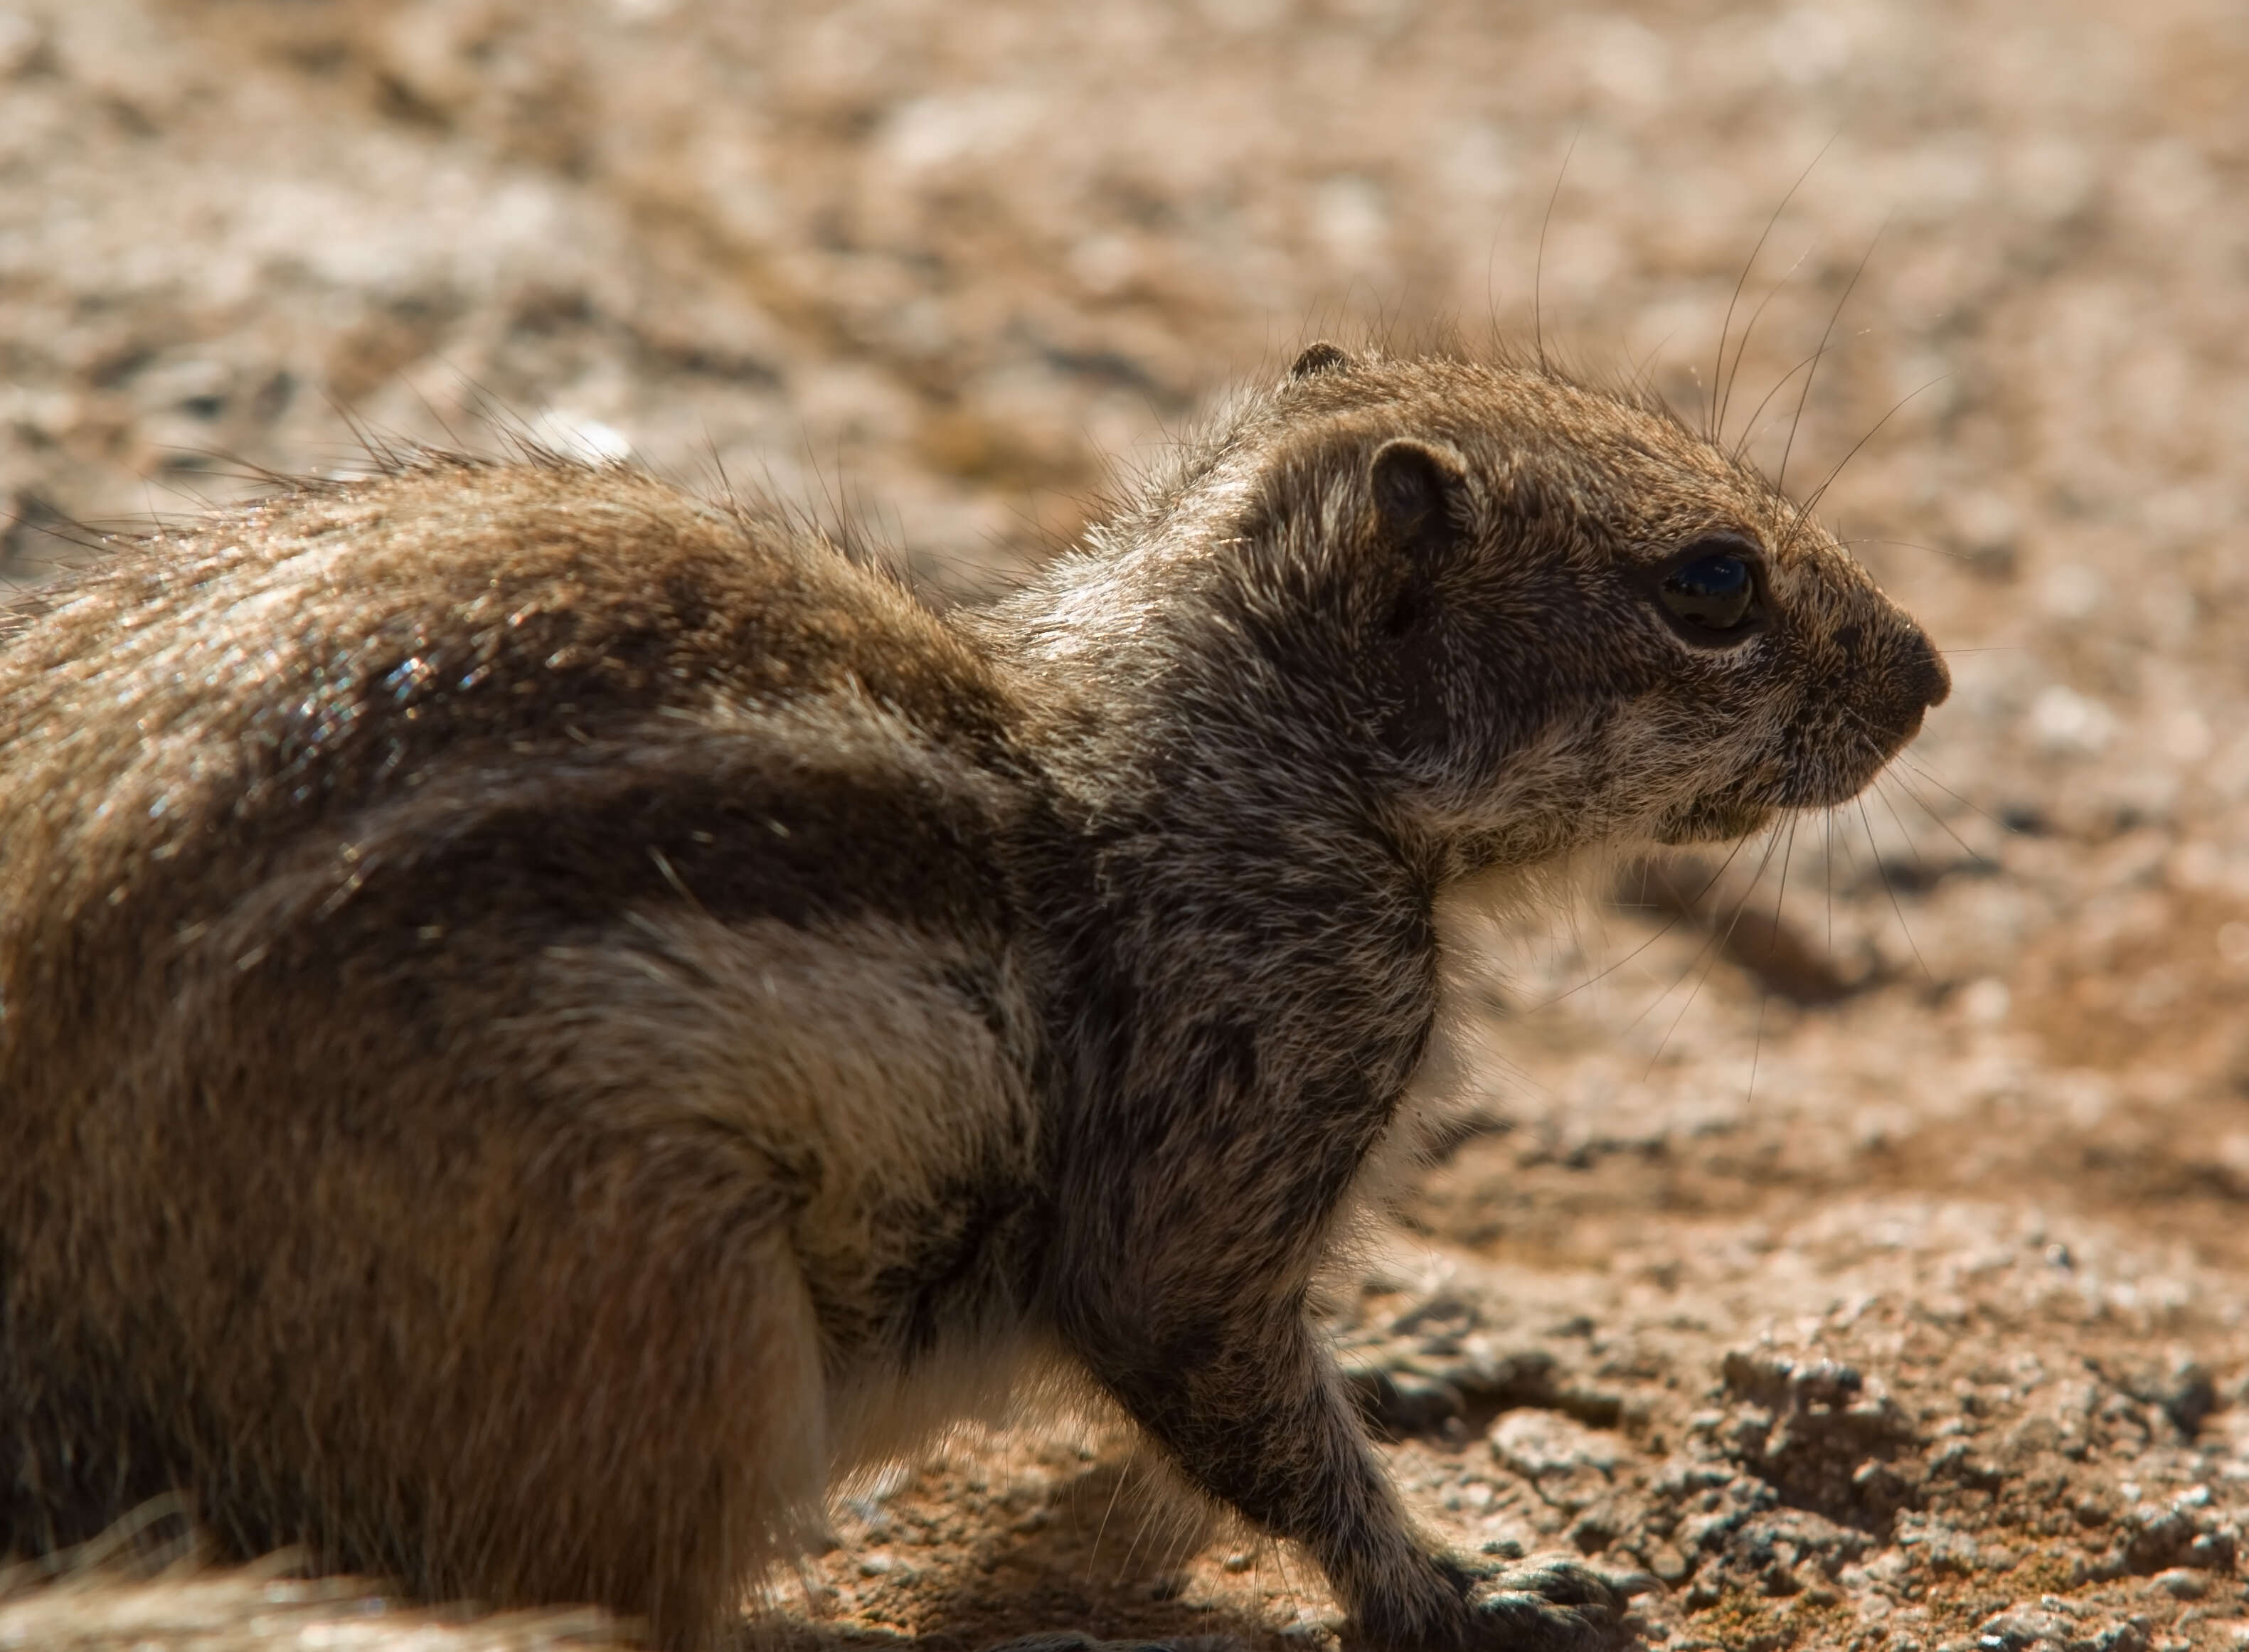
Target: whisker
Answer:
pixel 1780 481
pixel 1874 743
pixel 1765 994
pixel 1709 941
pixel 1574 918
pixel 1733 374
pixel 1539 266
pixel 1718 373
pixel 1944 825
pixel 1788 853
pixel 1908 545
pixel 1820 492
pixel 1636 371
pixel 1742 441
pixel 1912 847
pixel 1922 772
pixel 1716 949
pixel 1883 872
pixel 1670 924
pixel 1757 1047
pixel 1720 942
pixel 1828 867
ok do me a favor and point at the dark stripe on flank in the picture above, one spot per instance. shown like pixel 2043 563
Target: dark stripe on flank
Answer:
pixel 541 845
pixel 747 841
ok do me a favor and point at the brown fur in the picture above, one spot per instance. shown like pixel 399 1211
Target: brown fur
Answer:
pixel 542 1019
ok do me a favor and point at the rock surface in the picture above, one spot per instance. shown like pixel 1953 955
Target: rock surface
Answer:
pixel 1857 1241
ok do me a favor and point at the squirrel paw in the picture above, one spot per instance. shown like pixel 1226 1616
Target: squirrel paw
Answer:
pixel 1548 1606
pixel 1076 1641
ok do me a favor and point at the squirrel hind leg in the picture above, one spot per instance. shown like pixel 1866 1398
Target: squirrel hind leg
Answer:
pixel 668 1432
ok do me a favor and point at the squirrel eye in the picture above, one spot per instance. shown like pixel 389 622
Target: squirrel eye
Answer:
pixel 1716 592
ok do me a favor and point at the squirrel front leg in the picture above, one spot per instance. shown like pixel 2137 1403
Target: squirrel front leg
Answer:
pixel 1180 1277
pixel 1250 1407
pixel 1252 1410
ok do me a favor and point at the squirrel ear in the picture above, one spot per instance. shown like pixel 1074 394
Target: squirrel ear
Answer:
pixel 1415 487
pixel 1322 357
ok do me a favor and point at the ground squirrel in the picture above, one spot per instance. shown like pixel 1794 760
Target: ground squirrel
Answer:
pixel 542 1018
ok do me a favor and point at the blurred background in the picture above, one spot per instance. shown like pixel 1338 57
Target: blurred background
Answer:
pixel 1970 1056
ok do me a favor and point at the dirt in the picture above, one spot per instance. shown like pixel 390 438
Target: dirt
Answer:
pixel 1856 1243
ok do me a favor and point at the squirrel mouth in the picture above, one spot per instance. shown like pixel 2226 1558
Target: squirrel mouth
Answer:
pixel 1718 816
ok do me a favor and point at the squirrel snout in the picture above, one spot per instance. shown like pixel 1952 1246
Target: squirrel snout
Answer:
pixel 1918 684
pixel 1928 676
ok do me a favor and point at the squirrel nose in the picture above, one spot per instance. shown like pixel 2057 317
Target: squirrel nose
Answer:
pixel 1917 682
pixel 1927 677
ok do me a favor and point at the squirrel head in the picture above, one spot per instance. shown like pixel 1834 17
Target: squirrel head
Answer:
pixel 1520 615
pixel 1589 621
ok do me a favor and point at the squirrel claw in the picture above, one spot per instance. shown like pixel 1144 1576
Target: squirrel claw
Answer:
pixel 1551 1606
pixel 1078 1641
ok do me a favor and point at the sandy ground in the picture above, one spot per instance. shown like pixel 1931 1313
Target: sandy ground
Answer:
pixel 1859 1245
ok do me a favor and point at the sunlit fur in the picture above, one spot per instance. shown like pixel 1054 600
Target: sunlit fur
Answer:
pixel 543 1020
